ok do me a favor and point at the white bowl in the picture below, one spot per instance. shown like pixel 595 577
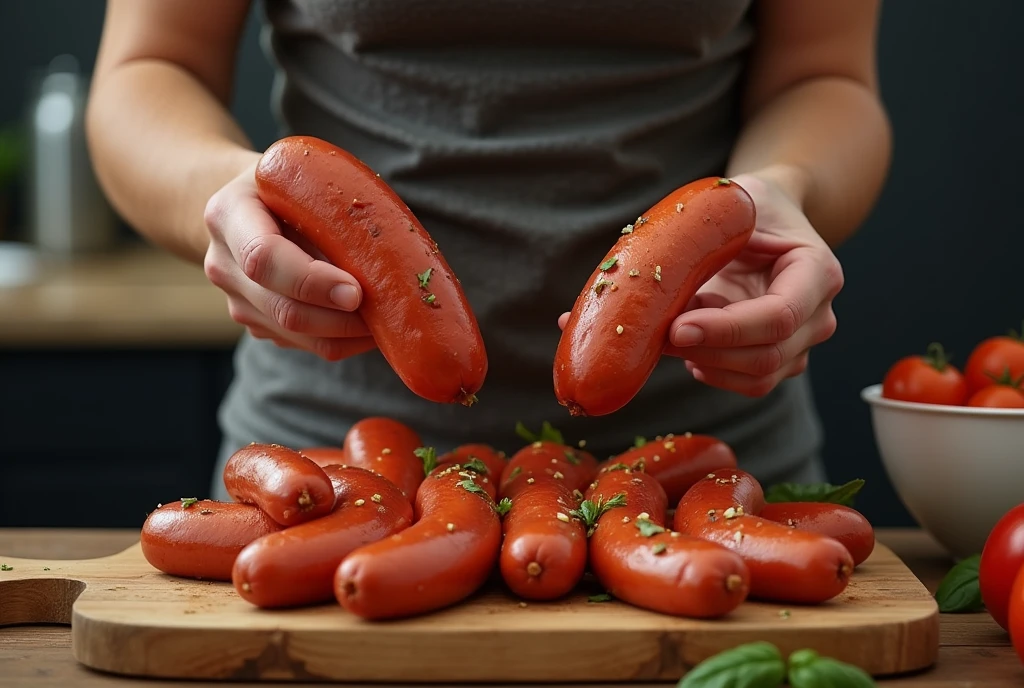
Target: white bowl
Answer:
pixel 956 469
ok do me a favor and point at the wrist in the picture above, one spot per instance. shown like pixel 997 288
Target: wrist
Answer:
pixel 792 181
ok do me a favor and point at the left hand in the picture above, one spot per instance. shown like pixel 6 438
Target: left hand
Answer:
pixel 752 324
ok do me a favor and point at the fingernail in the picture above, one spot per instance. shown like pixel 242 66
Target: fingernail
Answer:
pixel 345 296
pixel 697 375
pixel 688 335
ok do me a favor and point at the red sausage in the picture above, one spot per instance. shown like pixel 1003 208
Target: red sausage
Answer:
pixel 442 559
pixel 679 461
pixel 290 488
pixel 544 550
pixel 201 538
pixel 325 456
pixel 388 448
pixel 836 521
pixel 619 325
pixel 639 561
pixel 545 458
pixel 786 565
pixel 412 303
pixel 296 566
pixel 494 460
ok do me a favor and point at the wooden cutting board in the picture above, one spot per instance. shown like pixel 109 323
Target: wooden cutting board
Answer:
pixel 128 618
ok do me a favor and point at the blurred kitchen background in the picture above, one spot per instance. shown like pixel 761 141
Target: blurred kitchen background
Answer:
pixel 113 358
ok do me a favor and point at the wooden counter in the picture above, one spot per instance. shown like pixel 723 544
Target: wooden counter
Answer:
pixel 131 297
pixel 974 651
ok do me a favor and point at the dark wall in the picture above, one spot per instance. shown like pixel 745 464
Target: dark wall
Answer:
pixel 938 259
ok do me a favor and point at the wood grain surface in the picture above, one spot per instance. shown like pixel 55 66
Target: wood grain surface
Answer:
pixel 133 620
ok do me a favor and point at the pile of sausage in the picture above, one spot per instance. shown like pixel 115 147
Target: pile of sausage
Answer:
pixel 387 529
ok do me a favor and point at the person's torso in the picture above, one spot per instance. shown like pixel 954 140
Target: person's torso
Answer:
pixel 524 134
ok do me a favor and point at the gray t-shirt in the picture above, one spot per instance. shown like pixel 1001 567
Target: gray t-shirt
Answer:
pixel 524 134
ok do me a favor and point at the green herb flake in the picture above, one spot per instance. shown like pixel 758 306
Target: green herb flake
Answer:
pixel 46 568
pixel 600 597
pixel 429 458
pixel 503 506
pixel 639 441
pixel 424 277
pixel 608 264
pixel 814 492
pixel 469 486
pixel 647 527
pixel 616 467
pixel 476 465
pixel 5 567
pixel 723 182
pixel 600 285
pixel 591 511
pixel 514 474
pixel 571 457
pixel 960 590
pixel 659 548
pixel 186 502
pixel 431 299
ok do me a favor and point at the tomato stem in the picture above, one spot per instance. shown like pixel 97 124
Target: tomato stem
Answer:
pixel 1014 334
pixel 937 357
pixel 1005 378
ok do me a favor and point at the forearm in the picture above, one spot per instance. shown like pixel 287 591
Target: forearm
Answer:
pixel 827 142
pixel 162 144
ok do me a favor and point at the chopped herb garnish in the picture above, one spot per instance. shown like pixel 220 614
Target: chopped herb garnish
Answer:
pixel 600 597
pixel 590 511
pixel 424 277
pixel 514 474
pixel 571 457
pixel 723 182
pixel 548 433
pixel 616 467
pixel 639 441
pixel 634 273
pixel 647 527
pixel 601 284
pixel 608 264
pixel 428 456
pixel 476 465
pixel 659 548
pixel 5 567
pixel 46 568
pixel 186 502
pixel 469 486
pixel 431 299
pixel 503 506
pixel 628 229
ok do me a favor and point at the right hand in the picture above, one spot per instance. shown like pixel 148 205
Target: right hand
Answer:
pixel 275 287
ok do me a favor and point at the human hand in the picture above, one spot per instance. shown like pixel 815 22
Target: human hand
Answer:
pixel 277 285
pixel 752 324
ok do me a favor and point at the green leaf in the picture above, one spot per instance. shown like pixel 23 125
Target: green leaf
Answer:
pixel 808 669
pixel 753 665
pixel 639 441
pixel 548 433
pixel 600 597
pixel 647 527
pixel 525 432
pixel 571 457
pixel 428 456
pixel 6 567
pixel 590 512
pixel 186 502
pixel 607 265
pixel 503 506
pixel 514 474
pixel 470 486
pixel 476 465
pixel 424 277
pixel 960 590
pixel 814 492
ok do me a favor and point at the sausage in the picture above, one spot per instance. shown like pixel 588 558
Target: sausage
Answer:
pixel 837 521
pixel 200 538
pixel 493 459
pixel 296 566
pixel 544 550
pixel 679 461
pixel 443 558
pixel 639 561
pixel 546 458
pixel 786 565
pixel 412 303
pixel 286 485
pixel 619 325
pixel 475 466
pixel 325 456
pixel 389 448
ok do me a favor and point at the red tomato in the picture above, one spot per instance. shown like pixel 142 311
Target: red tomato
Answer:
pixel 997 396
pixel 993 359
pixel 1001 559
pixel 928 379
pixel 1017 614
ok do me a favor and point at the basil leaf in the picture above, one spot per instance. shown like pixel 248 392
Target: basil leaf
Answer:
pixel 753 665
pixel 960 590
pixel 807 669
pixel 814 492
